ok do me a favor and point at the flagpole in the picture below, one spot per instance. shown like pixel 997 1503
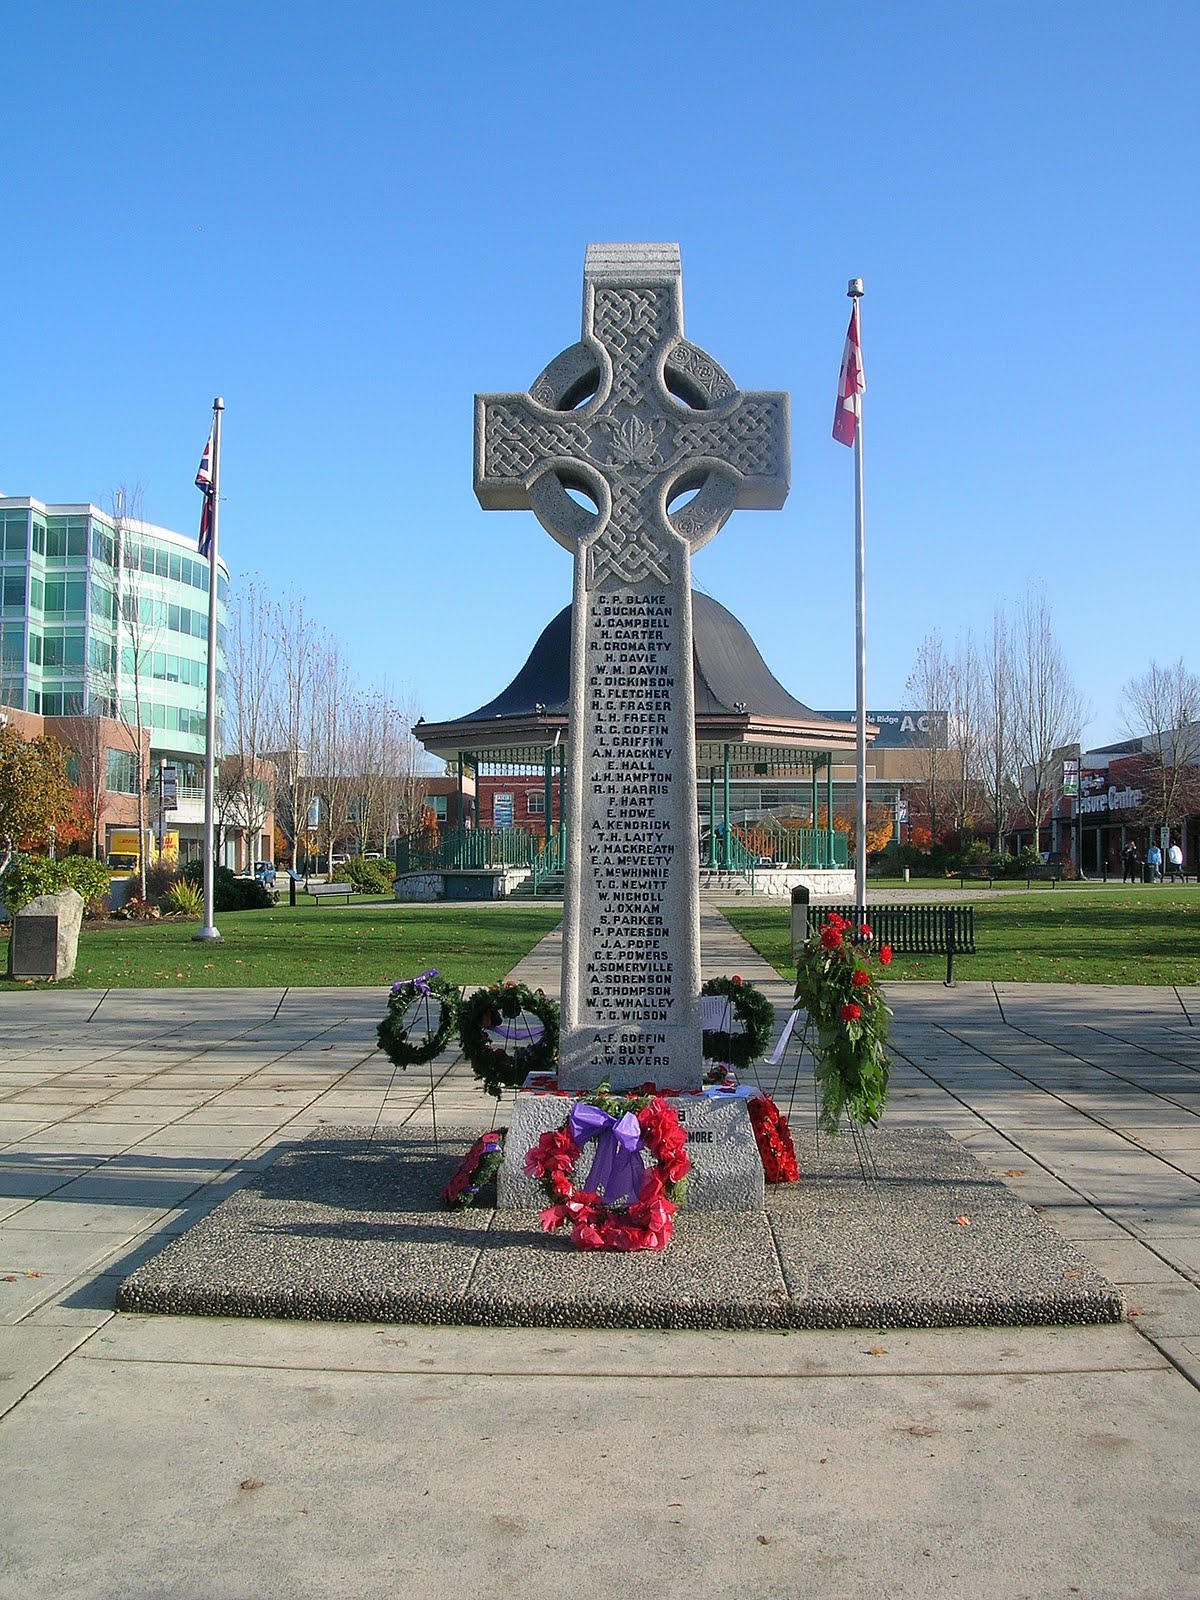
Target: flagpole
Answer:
pixel 855 292
pixel 208 931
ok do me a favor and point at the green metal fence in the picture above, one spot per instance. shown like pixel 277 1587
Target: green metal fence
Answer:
pixel 468 847
pixel 794 847
pixel 464 848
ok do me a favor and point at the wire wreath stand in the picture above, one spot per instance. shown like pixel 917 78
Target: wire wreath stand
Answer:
pixel 868 1167
pixel 514 1034
pixel 420 1008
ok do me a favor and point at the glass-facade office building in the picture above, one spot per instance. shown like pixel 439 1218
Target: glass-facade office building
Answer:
pixel 98 613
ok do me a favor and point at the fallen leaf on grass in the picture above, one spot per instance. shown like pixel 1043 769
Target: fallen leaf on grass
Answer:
pixel 29 1274
pixel 876 1350
pixel 8 1277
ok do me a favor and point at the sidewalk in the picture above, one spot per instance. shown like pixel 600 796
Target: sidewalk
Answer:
pixel 145 1456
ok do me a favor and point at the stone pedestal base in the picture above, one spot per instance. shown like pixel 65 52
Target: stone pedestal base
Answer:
pixel 726 1175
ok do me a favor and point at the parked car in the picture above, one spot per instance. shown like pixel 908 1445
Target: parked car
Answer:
pixel 374 855
pixel 264 871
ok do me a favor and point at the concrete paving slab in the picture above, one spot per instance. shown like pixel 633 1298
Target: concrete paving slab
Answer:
pixel 27 1354
pixel 36 1264
pixel 236 1481
pixel 1087 1061
pixel 612 1352
pixel 74 1216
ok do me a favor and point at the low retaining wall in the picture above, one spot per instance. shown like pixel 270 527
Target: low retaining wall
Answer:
pixel 485 883
pixel 822 883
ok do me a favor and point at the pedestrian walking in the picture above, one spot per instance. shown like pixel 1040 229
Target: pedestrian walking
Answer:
pixel 1154 862
pixel 1175 860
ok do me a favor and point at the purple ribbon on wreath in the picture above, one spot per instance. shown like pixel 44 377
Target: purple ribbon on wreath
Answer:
pixel 617 1171
pixel 420 983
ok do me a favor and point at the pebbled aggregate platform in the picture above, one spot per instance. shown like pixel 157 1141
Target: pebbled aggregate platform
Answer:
pixel 346 1227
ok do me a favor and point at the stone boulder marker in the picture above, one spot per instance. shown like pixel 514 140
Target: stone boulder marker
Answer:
pixel 632 417
pixel 45 936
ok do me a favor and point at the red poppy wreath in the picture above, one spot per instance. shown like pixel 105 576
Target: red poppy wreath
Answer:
pixel 774 1140
pixel 623 1205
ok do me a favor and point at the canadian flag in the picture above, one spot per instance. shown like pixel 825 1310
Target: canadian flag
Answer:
pixel 851 384
pixel 204 484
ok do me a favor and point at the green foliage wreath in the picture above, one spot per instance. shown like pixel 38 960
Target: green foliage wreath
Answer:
pixel 495 1066
pixel 402 1044
pixel 756 1015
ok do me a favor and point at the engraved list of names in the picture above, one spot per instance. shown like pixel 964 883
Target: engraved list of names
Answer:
pixel 635 971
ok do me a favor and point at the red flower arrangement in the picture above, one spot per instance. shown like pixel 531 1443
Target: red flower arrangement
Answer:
pixel 475 1171
pixel 836 984
pixel 774 1140
pixel 647 1223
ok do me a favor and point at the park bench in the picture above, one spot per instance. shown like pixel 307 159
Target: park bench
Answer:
pixel 929 930
pixel 975 875
pixel 331 891
pixel 1043 874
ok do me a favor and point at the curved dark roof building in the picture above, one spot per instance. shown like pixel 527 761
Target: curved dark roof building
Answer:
pixel 739 701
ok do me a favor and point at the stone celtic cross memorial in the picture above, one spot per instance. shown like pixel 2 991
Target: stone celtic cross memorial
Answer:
pixel 634 419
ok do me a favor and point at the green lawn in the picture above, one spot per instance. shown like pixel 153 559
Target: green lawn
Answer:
pixel 1063 935
pixel 375 942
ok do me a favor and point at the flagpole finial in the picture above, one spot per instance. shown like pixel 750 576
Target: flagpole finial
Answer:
pixel 218 404
pixel 855 289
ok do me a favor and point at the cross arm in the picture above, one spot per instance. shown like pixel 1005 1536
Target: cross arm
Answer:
pixel 516 442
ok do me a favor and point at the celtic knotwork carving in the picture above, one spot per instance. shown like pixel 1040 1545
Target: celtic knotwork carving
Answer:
pixel 515 443
pixel 627 549
pixel 746 440
pixel 628 555
pixel 628 323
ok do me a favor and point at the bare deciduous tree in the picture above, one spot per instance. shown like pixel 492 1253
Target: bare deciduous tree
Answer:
pixel 998 767
pixel 250 659
pixel 138 619
pixel 386 762
pixel 966 730
pixel 91 774
pixel 1162 706
pixel 331 752
pixel 930 686
pixel 1048 711
pixel 301 647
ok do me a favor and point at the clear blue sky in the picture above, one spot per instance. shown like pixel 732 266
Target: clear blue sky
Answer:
pixel 347 220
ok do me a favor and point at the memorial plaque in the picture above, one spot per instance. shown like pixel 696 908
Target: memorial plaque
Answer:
pixel 34 947
pixel 45 936
pixel 633 417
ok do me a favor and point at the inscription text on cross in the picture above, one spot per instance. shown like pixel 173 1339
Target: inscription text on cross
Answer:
pixel 632 417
